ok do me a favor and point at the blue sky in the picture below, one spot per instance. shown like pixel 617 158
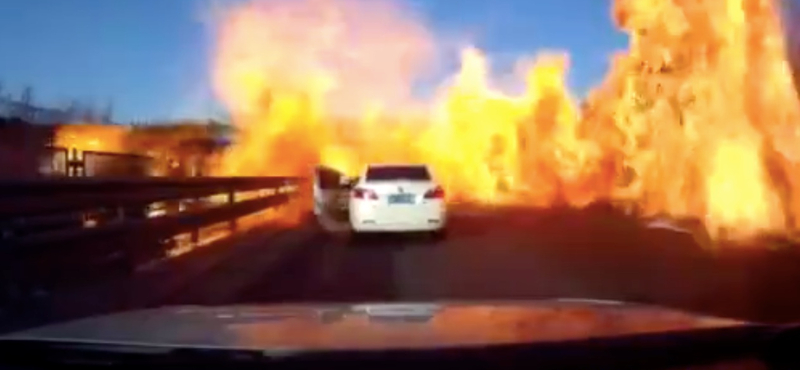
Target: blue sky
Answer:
pixel 151 57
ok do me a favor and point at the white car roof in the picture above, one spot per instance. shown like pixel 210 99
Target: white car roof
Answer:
pixel 378 165
pixel 427 168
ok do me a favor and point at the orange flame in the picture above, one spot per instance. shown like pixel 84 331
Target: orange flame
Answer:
pixel 696 119
pixel 91 137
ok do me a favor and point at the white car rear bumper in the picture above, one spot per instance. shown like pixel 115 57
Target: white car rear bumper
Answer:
pixel 376 216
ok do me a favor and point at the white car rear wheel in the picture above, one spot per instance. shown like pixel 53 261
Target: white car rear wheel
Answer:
pixel 440 234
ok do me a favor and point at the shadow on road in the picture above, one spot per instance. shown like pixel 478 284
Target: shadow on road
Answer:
pixel 501 253
pixel 524 253
pixel 393 240
pixel 601 253
pixel 491 253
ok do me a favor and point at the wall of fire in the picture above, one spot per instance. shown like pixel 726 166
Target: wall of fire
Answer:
pixel 104 150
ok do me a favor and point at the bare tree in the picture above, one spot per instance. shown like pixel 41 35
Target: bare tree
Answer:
pixel 88 114
pixel 108 112
pixel 26 98
pixel 3 102
pixel 26 104
pixel 72 110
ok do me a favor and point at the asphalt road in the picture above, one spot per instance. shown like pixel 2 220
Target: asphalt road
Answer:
pixel 515 253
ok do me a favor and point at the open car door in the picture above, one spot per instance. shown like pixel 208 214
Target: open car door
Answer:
pixel 330 191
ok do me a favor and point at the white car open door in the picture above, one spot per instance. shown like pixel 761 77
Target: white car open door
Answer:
pixel 329 188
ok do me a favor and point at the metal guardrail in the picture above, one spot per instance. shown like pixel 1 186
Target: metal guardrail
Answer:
pixel 45 236
pixel 50 195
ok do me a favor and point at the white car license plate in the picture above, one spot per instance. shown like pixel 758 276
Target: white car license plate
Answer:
pixel 401 199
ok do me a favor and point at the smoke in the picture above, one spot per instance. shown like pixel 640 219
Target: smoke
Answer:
pixel 355 53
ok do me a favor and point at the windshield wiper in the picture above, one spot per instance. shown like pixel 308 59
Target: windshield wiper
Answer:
pixel 398 312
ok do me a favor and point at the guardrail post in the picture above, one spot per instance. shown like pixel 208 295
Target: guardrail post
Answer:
pixel 12 286
pixel 232 224
pixel 194 235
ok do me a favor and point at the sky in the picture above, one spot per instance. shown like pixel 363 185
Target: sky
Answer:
pixel 151 58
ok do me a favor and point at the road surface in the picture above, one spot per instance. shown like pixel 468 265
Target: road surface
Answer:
pixel 515 253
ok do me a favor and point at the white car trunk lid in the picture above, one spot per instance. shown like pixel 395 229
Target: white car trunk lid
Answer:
pixel 385 188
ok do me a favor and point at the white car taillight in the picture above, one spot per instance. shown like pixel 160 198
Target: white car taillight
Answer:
pixel 435 193
pixel 360 193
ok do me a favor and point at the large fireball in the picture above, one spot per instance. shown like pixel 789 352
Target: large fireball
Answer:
pixel 698 118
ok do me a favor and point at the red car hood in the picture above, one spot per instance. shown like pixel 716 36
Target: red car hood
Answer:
pixel 366 326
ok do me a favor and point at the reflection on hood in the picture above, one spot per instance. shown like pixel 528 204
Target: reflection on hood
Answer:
pixel 374 325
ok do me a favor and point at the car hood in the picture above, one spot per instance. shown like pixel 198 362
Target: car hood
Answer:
pixel 367 326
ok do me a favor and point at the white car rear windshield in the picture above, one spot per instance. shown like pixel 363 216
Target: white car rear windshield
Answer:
pixel 390 173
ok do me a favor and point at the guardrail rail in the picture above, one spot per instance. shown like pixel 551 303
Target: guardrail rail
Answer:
pixel 50 228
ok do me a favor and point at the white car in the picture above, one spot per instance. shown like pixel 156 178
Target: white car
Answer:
pixel 397 198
